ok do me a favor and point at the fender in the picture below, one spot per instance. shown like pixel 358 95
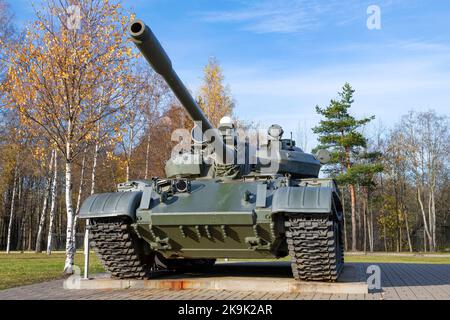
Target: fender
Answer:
pixel 116 204
pixel 317 196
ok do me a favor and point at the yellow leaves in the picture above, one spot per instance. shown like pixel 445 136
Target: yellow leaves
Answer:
pixel 129 52
pixel 214 98
pixel 38 152
pixel 23 59
pixel 89 137
pixel 109 155
pixel 55 74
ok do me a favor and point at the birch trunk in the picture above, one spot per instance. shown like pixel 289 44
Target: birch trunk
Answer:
pixel 94 167
pixel 130 150
pixel 44 208
pixel 19 205
pixel 68 265
pixel 11 216
pixel 425 224
pixel 30 228
pixel 431 185
pixel 52 203
pixel 430 220
pixel 128 170
pixel 407 231
pixel 147 155
pixel 433 217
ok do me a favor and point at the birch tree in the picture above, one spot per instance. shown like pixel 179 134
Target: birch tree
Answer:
pixel 94 167
pixel 11 215
pixel 427 146
pixel 149 94
pixel 132 132
pixel 48 182
pixel 158 99
pixel 66 78
pixel 106 135
pixel 79 196
pixel 396 160
pixel 52 202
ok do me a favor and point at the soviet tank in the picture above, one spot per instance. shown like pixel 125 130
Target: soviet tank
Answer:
pixel 222 208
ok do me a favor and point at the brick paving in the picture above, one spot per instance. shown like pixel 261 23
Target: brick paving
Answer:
pixel 400 281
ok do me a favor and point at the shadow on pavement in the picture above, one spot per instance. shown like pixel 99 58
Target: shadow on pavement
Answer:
pixel 392 274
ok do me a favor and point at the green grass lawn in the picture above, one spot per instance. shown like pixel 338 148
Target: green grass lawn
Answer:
pixel 437 259
pixel 17 269
pixel 397 259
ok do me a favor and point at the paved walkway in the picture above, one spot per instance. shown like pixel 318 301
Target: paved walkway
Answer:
pixel 399 281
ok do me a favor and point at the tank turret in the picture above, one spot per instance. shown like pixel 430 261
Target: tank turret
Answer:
pixel 277 156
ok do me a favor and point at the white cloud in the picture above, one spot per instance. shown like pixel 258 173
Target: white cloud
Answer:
pixel 386 90
pixel 277 16
pixel 414 75
pixel 406 47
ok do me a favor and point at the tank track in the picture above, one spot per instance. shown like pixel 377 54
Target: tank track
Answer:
pixel 119 249
pixel 315 246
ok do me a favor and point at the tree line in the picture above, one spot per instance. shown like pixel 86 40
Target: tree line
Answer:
pixel 80 112
pixel 394 182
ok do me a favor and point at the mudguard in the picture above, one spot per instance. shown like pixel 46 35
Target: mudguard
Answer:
pixel 302 199
pixel 115 204
pixel 314 196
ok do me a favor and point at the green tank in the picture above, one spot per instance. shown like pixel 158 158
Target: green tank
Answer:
pixel 232 206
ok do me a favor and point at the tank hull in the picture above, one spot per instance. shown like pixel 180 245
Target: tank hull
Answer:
pixel 217 219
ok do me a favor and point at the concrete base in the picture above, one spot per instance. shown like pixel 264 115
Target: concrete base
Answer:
pixel 230 276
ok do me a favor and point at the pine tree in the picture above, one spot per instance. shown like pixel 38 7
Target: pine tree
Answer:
pixel 338 133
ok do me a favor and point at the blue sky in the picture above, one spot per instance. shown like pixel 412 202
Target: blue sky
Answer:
pixel 283 57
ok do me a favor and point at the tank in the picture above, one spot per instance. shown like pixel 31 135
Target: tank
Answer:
pixel 229 207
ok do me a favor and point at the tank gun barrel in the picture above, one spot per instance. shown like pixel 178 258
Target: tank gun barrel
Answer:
pixel 147 43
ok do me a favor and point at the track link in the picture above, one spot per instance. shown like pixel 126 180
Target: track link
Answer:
pixel 119 249
pixel 315 247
